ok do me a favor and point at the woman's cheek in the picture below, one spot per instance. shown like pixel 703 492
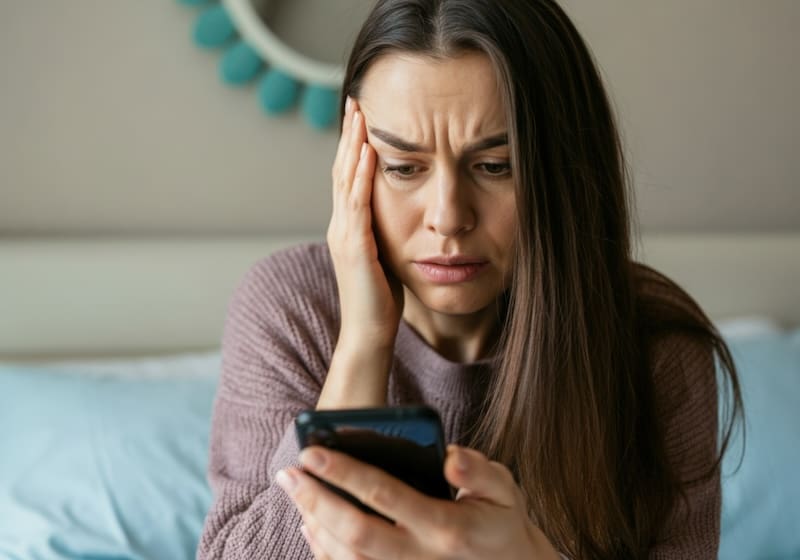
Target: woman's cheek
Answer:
pixel 396 216
pixel 388 201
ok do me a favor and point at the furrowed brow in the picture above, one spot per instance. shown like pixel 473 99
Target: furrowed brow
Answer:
pixel 406 146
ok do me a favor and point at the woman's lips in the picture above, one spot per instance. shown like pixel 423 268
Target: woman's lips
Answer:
pixel 450 273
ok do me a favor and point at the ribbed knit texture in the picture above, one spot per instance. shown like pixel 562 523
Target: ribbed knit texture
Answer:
pixel 280 334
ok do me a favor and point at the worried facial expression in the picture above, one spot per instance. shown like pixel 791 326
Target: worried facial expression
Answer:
pixel 443 198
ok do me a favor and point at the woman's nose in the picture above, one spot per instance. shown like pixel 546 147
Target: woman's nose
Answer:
pixel 449 211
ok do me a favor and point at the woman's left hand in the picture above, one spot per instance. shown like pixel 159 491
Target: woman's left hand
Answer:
pixel 488 519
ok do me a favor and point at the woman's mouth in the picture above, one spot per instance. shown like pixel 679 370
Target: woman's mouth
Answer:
pixel 451 269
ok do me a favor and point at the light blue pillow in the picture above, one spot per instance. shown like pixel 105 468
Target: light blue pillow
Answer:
pixel 104 462
pixel 761 501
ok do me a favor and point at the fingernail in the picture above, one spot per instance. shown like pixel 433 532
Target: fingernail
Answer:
pixel 356 116
pixel 286 480
pixel 363 150
pixel 348 104
pixel 312 459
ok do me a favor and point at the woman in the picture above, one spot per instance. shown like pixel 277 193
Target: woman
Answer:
pixel 478 260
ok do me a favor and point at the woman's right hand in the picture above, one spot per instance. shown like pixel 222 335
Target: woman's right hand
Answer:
pixel 371 300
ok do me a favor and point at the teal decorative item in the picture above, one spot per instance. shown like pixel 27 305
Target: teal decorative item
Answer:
pixel 251 51
pixel 214 28
pixel 278 92
pixel 240 64
pixel 319 106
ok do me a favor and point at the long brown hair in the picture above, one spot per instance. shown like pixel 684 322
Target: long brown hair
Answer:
pixel 572 407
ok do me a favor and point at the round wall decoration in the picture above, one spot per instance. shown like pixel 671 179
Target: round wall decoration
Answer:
pixel 286 76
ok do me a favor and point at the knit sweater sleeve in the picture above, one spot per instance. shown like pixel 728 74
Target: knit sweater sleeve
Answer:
pixel 276 350
pixel 685 379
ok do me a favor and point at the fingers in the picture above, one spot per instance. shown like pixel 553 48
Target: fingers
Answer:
pixel 353 175
pixel 373 487
pixel 361 193
pixel 336 525
pixel 336 529
pixel 342 147
pixel 356 137
pixel 477 477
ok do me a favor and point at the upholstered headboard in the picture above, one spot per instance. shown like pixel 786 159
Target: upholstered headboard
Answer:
pixel 88 297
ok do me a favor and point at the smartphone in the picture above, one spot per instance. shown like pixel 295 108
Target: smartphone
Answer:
pixel 407 442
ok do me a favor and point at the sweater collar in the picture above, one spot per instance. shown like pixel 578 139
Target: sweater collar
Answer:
pixel 416 354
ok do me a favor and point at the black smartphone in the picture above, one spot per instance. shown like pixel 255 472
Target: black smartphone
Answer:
pixel 407 442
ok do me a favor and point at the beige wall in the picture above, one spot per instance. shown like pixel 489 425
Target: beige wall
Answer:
pixel 111 121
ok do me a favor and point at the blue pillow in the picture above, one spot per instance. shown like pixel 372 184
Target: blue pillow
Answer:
pixel 103 466
pixel 761 501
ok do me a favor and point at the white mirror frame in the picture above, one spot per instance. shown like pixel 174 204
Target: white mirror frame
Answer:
pixel 277 53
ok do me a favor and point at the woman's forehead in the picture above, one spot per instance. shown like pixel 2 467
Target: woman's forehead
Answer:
pixel 406 93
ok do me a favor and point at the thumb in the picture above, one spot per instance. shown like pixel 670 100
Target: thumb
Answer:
pixel 477 477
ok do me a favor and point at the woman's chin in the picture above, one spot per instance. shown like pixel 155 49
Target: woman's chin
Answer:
pixel 455 300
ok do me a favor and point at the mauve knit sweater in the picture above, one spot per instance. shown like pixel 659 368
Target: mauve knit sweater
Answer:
pixel 279 338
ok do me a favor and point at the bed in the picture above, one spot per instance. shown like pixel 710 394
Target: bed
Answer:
pixel 109 358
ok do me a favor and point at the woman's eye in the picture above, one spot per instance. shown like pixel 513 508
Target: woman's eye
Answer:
pixel 406 172
pixel 400 171
pixel 496 169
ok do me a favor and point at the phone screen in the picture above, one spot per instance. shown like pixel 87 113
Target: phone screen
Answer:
pixel 406 442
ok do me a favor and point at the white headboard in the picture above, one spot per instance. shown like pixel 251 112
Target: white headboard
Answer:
pixel 81 297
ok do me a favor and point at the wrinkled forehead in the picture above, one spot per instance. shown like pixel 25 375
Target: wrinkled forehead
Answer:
pixel 404 92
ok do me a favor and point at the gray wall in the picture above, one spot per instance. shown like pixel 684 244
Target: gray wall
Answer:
pixel 111 121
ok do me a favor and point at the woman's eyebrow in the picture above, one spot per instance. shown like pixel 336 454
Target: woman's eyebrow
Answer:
pixel 405 146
